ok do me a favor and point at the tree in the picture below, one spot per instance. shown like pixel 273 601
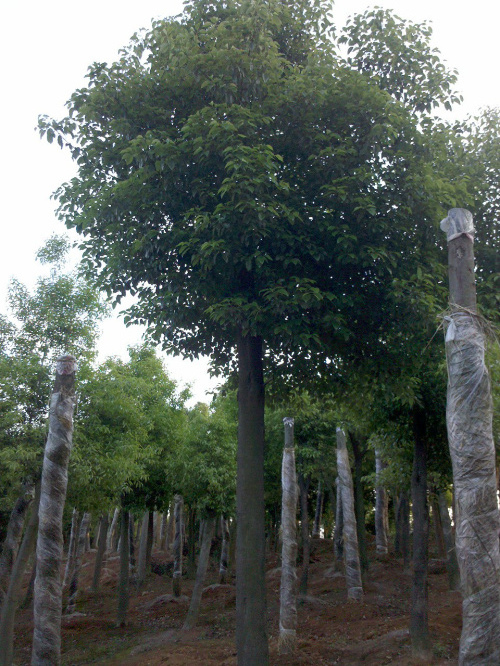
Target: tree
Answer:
pixel 252 190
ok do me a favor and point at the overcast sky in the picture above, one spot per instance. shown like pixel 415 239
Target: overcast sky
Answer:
pixel 46 48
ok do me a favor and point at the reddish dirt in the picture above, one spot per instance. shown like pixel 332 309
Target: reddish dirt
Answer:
pixel 331 629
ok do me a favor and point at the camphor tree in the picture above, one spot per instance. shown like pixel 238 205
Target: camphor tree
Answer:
pixel 253 190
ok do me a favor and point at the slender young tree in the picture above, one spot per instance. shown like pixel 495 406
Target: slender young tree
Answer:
pixel 47 594
pixel 80 550
pixel 338 534
pixel 100 556
pixel 178 539
pixel 124 578
pixel 224 551
pixel 207 532
pixel 381 510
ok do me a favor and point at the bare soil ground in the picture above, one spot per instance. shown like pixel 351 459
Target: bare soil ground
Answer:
pixel 331 628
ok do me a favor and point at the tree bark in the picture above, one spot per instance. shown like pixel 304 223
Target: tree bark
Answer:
pixel 100 557
pixel 470 437
pixel 224 551
pixel 73 542
pixel 316 532
pixel 359 448
pixel 177 573
pixel 419 612
pixel 449 542
pixel 304 534
pixel 143 545
pixel 351 553
pixel 288 590
pixel 13 594
pixel 201 571
pixel 338 533
pixel 438 527
pixel 251 635
pixel 13 536
pixel 381 511
pixel 81 548
pixel 150 540
pixel 47 607
pixel 112 531
pixel 124 579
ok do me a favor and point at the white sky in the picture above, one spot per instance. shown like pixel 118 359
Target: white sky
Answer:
pixel 46 48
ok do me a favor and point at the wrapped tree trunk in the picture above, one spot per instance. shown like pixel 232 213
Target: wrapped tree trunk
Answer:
pixel 177 573
pixel 316 532
pixel 201 571
pixel 470 436
pixel 288 592
pixel 80 549
pixel 112 531
pixel 381 509
pixel 143 545
pixel 224 551
pixel 304 533
pixel 124 579
pixel 47 607
pixel 13 536
pixel 101 551
pixel 351 553
pixel 72 546
pixel 338 533
pixel 419 612
pixel 449 542
pixel 13 594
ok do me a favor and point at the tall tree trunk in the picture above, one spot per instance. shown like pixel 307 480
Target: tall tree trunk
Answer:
pixel 288 590
pixel 438 528
pixel 13 536
pixel 405 530
pixel 80 550
pixel 316 532
pixel 251 635
pixel 449 541
pixel 419 613
pixel 304 534
pixel 163 531
pixel 224 551
pixel 73 542
pixel 28 598
pixel 101 551
pixel 150 540
pixel 470 435
pixel 359 448
pixel 13 594
pixel 177 573
pixel 143 544
pixel 124 579
pixel 351 553
pixel 381 519
pixel 191 544
pixel 131 548
pixel 338 533
pixel 47 607
pixel 201 571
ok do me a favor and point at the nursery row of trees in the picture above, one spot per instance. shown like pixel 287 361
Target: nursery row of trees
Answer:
pixel 269 186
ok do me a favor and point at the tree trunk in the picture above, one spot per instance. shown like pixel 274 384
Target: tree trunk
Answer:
pixel 81 548
pixel 470 436
pixel 419 618
pixel 438 528
pixel 124 579
pixel 201 571
pixel 112 532
pixel 449 541
pixel 13 594
pixel 224 551
pixel 251 614
pixel 73 542
pixel 28 599
pixel 177 573
pixel 101 551
pixel 143 545
pixel 316 532
pixel 164 531
pixel 405 530
pixel 338 534
pixel 288 590
pixel 150 540
pixel 351 553
pixel 13 536
pixel 359 448
pixel 381 511
pixel 304 533
pixel 47 607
